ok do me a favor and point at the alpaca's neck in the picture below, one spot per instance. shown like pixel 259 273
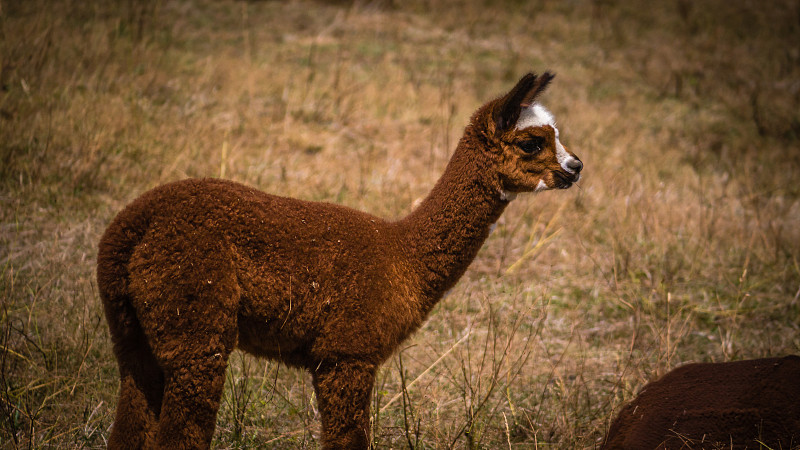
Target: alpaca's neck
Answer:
pixel 445 232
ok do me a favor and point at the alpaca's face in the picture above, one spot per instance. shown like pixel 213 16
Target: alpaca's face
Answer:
pixel 533 157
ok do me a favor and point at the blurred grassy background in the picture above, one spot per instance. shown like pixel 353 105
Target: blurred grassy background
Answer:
pixel 680 244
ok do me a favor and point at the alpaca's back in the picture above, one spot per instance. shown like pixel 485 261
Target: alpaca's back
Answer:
pixel 702 405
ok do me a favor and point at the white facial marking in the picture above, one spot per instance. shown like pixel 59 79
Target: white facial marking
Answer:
pixel 563 157
pixel 537 115
pixel 542 186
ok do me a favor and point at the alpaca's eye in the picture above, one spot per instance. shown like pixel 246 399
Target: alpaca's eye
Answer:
pixel 532 146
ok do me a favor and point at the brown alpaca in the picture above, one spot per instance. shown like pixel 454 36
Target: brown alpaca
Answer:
pixel 193 269
pixel 734 405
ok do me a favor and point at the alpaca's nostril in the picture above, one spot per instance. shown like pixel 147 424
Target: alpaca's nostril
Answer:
pixel 575 165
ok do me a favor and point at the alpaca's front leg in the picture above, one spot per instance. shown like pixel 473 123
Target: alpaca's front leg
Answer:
pixel 343 392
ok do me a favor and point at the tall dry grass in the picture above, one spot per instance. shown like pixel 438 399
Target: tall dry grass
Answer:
pixel 680 244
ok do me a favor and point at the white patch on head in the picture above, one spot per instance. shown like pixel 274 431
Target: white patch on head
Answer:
pixel 537 115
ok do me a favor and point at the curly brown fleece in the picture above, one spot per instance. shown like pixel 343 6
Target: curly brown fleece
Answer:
pixel 194 269
pixel 736 405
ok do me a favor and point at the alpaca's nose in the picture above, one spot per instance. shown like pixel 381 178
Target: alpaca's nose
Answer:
pixel 575 165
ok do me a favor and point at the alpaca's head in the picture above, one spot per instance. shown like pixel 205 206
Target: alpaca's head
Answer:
pixel 523 140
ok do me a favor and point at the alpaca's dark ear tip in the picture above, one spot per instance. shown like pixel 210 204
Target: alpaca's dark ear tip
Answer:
pixel 529 78
pixel 546 78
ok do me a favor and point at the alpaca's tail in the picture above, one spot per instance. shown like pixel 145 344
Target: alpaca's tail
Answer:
pixel 141 377
pixel 113 255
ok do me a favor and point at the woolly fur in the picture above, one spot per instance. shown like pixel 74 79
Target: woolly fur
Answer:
pixel 742 404
pixel 194 269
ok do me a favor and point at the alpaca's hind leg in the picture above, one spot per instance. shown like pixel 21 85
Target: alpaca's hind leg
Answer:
pixel 191 399
pixel 343 392
pixel 192 346
pixel 141 389
pixel 186 297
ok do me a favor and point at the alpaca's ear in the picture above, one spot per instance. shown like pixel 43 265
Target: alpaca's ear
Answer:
pixel 521 96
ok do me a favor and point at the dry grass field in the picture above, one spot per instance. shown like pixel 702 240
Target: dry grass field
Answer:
pixel 681 243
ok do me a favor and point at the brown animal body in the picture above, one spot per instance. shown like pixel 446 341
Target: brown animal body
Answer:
pixel 733 405
pixel 194 269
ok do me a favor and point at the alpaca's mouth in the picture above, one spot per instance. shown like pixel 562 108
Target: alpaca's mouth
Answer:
pixel 565 181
